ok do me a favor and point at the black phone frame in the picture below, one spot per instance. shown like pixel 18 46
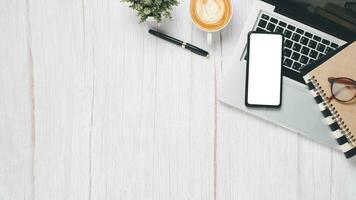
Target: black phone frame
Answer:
pixel 247 72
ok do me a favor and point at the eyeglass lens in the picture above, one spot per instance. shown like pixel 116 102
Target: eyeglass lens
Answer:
pixel 344 90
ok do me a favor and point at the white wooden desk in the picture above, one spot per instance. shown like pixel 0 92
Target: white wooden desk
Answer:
pixel 93 107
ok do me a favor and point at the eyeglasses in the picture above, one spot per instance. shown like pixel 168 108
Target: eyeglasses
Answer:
pixel 342 89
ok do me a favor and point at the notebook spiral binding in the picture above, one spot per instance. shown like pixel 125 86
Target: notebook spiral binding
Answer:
pixel 340 130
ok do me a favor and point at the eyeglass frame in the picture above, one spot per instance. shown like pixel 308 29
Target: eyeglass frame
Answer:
pixel 332 80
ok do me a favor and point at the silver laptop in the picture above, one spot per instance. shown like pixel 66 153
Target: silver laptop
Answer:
pixel 303 44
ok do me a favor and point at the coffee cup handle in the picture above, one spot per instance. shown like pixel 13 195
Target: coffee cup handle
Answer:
pixel 209 38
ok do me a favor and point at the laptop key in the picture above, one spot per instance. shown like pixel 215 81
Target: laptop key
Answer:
pixel 295 56
pixel 271 27
pixel 300 31
pixel 317 38
pixel 333 45
pixel 309 35
pixel 296 37
pixel 312 44
pixel 279 29
pixel 311 60
pixel 321 55
pixel 262 23
pixel 290 27
pixel 265 17
pixel 296 65
pixel 296 47
pixel 288 43
pixel 328 49
pixel 304 59
pixel 287 52
pixel 287 62
pixel 283 24
pixel 320 47
pixel 274 20
pixel 287 34
pixel 313 54
pixel 326 42
pixel 305 50
pixel 304 40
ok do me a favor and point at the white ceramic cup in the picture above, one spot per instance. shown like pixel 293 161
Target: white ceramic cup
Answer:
pixel 209 32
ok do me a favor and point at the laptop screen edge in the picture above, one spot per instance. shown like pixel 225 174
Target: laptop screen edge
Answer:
pixel 289 10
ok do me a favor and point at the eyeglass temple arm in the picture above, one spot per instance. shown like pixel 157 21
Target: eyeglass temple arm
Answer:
pixel 332 79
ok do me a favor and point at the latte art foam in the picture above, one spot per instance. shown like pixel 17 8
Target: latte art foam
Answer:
pixel 210 14
pixel 210 11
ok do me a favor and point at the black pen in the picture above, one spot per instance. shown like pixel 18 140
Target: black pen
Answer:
pixel 185 45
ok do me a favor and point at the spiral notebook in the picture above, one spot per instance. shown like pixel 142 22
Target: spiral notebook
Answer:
pixel 340 117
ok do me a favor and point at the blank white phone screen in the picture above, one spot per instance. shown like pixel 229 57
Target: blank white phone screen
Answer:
pixel 264 70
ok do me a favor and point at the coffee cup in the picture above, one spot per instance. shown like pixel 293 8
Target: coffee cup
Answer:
pixel 211 15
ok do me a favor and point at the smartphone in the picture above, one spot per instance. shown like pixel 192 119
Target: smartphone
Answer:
pixel 264 70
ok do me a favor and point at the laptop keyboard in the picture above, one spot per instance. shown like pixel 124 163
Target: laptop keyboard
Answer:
pixel 300 47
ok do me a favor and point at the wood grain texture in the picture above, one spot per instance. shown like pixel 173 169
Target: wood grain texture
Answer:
pixel 93 107
pixel 16 131
pixel 63 88
pixel 153 109
pixel 343 177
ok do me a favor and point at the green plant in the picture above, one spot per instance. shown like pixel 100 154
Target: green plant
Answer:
pixel 157 9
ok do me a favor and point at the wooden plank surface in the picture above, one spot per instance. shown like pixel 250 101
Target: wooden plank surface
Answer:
pixel 153 110
pixel 63 88
pixel 114 113
pixel 16 129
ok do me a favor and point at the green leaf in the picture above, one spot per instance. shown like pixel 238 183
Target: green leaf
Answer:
pixel 157 9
